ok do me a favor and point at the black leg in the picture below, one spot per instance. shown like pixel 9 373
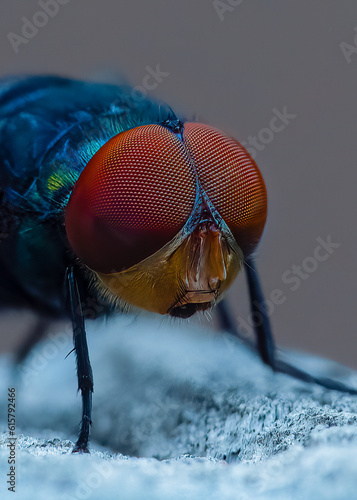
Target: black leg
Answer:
pixel 228 324
pixel 84 370
pixel 282 366
pixel 265 341
pixel 261 325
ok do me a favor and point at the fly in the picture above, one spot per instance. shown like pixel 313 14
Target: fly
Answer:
pixel 128 205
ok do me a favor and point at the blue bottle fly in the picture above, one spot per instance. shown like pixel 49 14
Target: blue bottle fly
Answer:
pixel 109 200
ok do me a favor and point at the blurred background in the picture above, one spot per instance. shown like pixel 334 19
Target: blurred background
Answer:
pixel 280 77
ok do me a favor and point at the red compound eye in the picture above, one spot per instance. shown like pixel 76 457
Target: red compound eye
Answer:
pixel 231 180
pixel 133 197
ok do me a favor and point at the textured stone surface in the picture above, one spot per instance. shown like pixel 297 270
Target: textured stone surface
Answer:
pixel 206 417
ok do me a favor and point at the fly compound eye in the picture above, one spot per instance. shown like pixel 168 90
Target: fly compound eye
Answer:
pixel 232 181
pixel 133 197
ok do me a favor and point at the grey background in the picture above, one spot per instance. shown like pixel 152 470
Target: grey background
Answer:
pixel 231 73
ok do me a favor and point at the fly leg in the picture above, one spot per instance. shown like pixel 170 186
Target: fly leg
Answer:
pixel 262 329
pixel 265 341
pixel 84 369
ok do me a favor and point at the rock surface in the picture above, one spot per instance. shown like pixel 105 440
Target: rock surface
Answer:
pixel 206 418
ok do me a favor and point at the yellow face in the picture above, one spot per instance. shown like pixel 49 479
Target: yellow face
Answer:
pixel 182 278
pixel 165 216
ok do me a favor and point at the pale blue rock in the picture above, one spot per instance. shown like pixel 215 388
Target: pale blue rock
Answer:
pixel 206 418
